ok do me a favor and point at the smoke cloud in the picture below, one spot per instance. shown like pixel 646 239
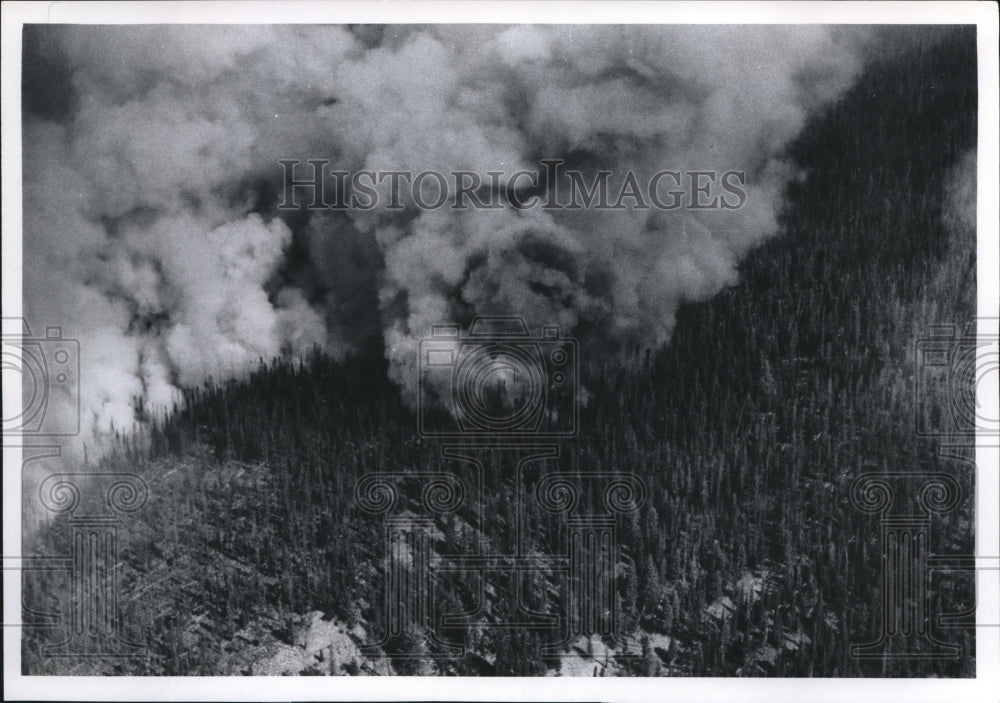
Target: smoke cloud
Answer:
pixel 151 176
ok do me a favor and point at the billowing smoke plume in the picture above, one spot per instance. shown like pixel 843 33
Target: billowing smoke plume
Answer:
pixel 152 180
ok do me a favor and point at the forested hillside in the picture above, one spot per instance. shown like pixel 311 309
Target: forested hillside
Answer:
pixel 747 557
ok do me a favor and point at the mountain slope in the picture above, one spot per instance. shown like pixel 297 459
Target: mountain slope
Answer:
pixel 747 558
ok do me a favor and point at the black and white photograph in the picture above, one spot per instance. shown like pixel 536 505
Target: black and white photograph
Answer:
pixel 480 341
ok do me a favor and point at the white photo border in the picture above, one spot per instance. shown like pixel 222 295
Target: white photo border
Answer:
pixel 983 14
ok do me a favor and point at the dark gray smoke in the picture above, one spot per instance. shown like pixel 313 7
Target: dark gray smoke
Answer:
pixel 151 183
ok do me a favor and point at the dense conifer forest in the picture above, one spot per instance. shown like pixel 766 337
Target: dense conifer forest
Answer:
pixel 747 557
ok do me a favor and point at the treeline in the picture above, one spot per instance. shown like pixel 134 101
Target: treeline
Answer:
pixel 747 429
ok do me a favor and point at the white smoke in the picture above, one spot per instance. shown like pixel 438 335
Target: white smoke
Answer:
pixel 146 238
